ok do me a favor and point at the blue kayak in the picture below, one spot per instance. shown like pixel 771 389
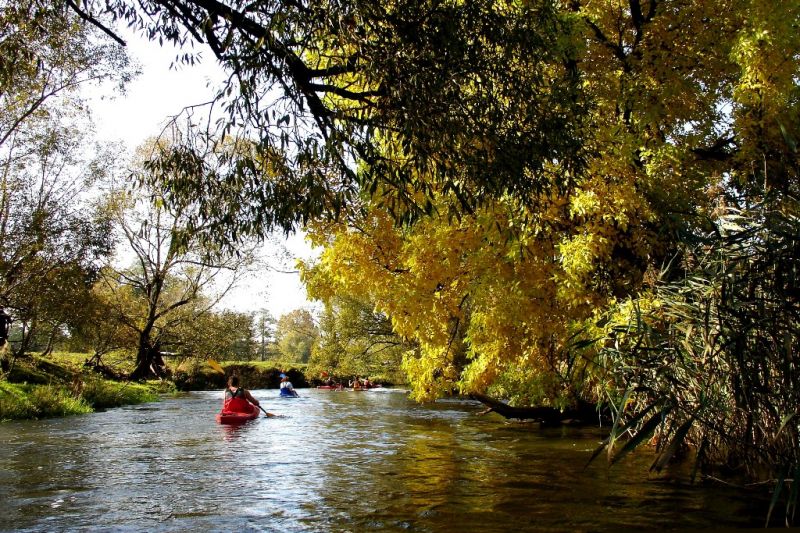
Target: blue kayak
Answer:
pixel 288 393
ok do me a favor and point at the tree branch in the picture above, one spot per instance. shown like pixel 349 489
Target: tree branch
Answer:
pixel 547 415
pixel 91 20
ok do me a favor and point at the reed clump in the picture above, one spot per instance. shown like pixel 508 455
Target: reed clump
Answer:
pixel 708 359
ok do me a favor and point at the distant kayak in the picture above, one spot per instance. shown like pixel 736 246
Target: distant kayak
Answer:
pixel 234 417
pixel 330 387
pixel 288 393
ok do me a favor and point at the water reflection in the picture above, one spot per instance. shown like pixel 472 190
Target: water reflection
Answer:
pixel 337 461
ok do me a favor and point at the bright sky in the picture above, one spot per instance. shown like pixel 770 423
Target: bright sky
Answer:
pixel 160 92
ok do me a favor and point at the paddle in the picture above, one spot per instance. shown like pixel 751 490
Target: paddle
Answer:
pixel 218 368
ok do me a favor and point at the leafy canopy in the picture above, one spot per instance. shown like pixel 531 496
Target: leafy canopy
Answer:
pixel 330 99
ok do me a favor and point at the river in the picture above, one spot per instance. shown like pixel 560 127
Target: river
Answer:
pixel 336 461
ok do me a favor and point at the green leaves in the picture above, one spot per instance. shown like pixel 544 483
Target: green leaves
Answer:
pixel 637 430
pixel 469 97
pixel 678 440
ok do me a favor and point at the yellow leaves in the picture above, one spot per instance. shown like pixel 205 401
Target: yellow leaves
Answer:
pixel 583 203
pixel 215 366
pixel 431 372
pixel 501 280
pixel 516 280
pixel 765 91
pixel 579 254
pixel 766 53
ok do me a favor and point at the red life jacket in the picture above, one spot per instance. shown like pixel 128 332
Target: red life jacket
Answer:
pixel 235 402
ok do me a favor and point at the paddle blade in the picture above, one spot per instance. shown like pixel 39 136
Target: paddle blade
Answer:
pixel 216 366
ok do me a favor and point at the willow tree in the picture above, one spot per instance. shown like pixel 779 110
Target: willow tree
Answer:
pixel 683 106
pixel 662 279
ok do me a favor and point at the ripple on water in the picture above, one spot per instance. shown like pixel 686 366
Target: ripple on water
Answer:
pixel 335 461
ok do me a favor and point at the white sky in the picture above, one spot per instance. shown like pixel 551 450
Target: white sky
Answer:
pixel 160 92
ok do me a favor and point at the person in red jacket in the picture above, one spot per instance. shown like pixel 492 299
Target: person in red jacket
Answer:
pixel 238 399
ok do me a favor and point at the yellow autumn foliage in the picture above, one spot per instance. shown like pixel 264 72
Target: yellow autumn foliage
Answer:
pixel 685 101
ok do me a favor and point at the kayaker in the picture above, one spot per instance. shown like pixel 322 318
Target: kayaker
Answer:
pixel 238 399
pixel 287 389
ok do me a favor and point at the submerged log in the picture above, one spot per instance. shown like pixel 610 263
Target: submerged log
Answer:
pixel 584 413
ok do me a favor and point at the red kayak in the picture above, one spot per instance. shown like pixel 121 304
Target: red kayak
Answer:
pixel 330 387
pixel 237 417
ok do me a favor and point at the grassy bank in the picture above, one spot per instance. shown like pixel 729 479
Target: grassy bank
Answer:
pixel 60 386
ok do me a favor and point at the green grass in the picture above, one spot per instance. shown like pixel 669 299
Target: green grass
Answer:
pixel 21 401
pixel 59 385
pixel 103 394
pixel 119 360
pixel 267 365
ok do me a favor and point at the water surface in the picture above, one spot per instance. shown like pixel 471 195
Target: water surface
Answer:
pixel 337 461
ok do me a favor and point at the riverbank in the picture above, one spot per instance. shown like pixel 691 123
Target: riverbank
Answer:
pixel 59 386
pixel 198 375
pixel 62 385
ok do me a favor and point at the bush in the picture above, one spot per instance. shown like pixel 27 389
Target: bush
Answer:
pixel 38 401
pixel 709 360
pixel 103 394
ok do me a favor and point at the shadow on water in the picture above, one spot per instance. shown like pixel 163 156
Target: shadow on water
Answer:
pixel 336 461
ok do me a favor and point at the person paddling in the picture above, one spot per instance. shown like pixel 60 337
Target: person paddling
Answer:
pixel 237 399
pixel 287 389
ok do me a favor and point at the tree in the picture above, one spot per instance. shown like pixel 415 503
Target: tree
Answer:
pixel 295 335
pixel 665 139
pixel 356 340
pixel 52 243
pixel 54 238
pixel 171 271
pixel 100 328
pixel 47 57
pixel 222 336
pixel 265 334
pixel 471 98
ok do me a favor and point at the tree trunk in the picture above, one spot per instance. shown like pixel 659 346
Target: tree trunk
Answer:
pixel 96 364
pixel 149 363
pixel 584 413
pixel 25 340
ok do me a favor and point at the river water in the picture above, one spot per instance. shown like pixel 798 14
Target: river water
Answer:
pixel 335 461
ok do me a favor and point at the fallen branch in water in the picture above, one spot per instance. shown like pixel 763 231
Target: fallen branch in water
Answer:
pixel 583 414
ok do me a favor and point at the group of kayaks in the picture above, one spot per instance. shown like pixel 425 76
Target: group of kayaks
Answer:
pixel 238 412
pixel 342 387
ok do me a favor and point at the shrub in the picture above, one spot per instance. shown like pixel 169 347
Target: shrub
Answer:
pixel 102 394
pixel 38 401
